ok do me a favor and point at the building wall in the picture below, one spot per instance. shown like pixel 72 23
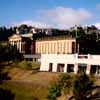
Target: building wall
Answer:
pixel 66 59
pixel 60 46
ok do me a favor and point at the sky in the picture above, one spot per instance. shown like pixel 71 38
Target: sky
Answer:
pixel 50 13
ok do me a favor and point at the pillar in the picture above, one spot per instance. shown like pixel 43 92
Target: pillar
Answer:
pixel 20 46
pixel 54 67
pixel 65 68
pixel 75 68
pixel 88 69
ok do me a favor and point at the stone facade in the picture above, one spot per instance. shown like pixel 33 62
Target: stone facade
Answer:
pixel 23 44
pixel 56 46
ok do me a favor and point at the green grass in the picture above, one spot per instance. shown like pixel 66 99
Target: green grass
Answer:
pixel 26 91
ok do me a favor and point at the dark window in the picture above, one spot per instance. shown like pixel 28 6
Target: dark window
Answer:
pixel 70 68
pixel 50 67
pixel 73 47
pixel 83 57
pixel 95 69
pixel 60 67
pixel 82 68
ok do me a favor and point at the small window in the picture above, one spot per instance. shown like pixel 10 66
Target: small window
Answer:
pixel 70 68
pixel 60 67
pixel 82 68
pixel 50 67
pixel 73 48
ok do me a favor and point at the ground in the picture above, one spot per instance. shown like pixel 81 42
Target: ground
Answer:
pixel 30 84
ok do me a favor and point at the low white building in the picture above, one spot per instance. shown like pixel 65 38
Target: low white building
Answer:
pixel 70 63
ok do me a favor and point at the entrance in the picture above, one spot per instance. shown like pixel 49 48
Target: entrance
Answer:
pixel 82 68
pixel 60 67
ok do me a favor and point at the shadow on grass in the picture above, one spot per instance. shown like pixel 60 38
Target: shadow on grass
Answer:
pixel 6 94
pixel 4 75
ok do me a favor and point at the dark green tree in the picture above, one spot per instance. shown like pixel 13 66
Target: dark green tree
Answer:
pixel 9 53
pixel 83 89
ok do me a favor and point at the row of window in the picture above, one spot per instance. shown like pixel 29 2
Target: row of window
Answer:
pixel 54 48
pixel 95 69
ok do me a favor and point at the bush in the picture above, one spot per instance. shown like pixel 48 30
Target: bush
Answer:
pixel 83 88
pixel 28 65
pixel 25 65
pixel 35 66
pixel 62 85
pixel 54 91
pixel 65 82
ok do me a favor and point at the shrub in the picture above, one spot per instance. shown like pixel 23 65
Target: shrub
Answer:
pixel 65 82
pixel 35 66
pixel 54 91
pixel 25 65
pixel 83 88
pixel 62 85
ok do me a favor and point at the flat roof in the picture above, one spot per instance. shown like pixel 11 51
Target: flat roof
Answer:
pixel 50 38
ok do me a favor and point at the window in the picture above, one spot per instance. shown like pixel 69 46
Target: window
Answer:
pixel 50 67
pixel 82 68
pixel 73 47
pixel 95 69
pixel 60 67
pixel 70 68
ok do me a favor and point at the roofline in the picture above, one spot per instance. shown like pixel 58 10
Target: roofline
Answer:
pixel 48 38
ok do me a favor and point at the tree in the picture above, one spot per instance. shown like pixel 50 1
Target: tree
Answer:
pixel 9 53
pixel 54 91
pixel 83 88
pixel 65 83
pixel 23 29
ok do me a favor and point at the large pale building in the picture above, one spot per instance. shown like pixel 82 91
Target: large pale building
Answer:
pixel 56 45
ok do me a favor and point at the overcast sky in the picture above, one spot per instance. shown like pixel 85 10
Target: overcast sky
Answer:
pixel 50 13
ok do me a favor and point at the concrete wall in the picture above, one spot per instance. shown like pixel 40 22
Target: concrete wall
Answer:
pixel 68 59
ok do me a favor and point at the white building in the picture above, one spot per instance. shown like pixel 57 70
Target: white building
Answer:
pixel 70 63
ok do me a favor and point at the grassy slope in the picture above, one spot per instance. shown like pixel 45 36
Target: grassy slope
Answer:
pixel 28 91
pixel 25 91
pixel 31 91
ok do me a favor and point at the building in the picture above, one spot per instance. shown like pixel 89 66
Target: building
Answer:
pixel 70 63
pixel 22 43
pixel 56 45
pixel 25 45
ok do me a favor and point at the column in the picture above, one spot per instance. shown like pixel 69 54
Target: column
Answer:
pixel 88 69
pixel 75 68
pixel 20 46
pixel 13 43
pixel 54 69
pixel 65 68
